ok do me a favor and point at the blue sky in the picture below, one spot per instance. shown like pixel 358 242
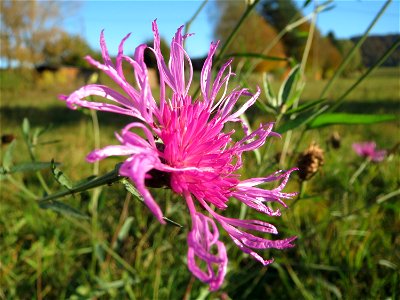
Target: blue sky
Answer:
pixel 348 18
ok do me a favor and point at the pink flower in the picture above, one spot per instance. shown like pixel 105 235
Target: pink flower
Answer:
pixel 185 147
pixel 368 149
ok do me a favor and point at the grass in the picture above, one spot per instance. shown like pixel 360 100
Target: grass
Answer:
pixel 347 234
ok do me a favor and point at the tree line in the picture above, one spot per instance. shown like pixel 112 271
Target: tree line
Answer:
pixel 262 33
pixel 32 35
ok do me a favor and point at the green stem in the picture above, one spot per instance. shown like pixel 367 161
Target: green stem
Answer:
pixel 359 171
pixel 235 30
pixel 387 196
pixel 96 137
pixel 307 48
pixel 189 23
pixel 302 189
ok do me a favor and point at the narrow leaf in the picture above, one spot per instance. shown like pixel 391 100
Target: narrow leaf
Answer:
pixel 300 120
pixel 348 119
pixel 63 209
pixel 269 94
pixel 60 177
pixel 304 107
pixel 105 179
pixel 30 167
pixel 295 95
pixel 131 189
pixel 288 85
pixel 8 155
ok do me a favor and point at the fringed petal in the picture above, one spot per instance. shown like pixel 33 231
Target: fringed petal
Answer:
pixel 232 99
pixel 202 239
pixel 104 51
pixel 136 168
pixel 113 150
pixel 246 241
pixel 250 143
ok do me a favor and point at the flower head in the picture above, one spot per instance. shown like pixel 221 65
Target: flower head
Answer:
pixel 310 161
pixel 183 144
pixel 368 150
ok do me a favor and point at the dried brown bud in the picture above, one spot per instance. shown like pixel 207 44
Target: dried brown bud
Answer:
pixel 7 138
pixel 335 140
pixel 309 161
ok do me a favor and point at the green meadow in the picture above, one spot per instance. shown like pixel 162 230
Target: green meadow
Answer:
pixel 109 246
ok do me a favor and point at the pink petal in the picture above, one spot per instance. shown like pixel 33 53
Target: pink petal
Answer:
pixel 107 151
pixel 136 168
pixel 200 241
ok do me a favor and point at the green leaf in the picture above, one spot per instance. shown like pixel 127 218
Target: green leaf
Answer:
pixel 131 189
pixel 304 107
pixel 63 209
pixel 60 177
pixel 295 96
pixel 106 179
pixel 28 167
pixel 269 93
pixel 348 119
pixel 300 120
pixel 8 155
pixel 293 123
pixel 288 85
pixel 38 132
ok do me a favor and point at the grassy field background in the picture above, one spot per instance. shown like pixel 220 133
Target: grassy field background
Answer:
pixel 348 239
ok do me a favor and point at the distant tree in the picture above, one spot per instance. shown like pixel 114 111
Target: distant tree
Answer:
pixel 28 28
pixel 67 49
pixel 279 14
pixel 375 46
pixel 323 57
pixel 253 36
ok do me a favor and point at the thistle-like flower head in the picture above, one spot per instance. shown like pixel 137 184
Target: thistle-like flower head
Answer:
pixel 368 150
pixel 185 145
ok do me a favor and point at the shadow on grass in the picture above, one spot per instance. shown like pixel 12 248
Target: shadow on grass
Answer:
pixel 369 107
pixel 57 116
pixel 62 116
